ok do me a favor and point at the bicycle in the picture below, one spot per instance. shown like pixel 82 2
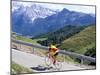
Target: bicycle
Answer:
pixel 49 62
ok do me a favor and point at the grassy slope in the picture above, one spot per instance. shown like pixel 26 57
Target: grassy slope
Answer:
pixel 81 41
pixel 16 68
pixel 61 34
pixel 34 41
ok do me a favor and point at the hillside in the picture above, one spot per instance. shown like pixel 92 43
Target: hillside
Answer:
pixel 83 42
pixel 57 36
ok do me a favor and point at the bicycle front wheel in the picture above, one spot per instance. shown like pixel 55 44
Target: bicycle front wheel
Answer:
pixel 48 61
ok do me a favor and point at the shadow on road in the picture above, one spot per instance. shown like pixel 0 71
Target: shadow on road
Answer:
pixel 41 68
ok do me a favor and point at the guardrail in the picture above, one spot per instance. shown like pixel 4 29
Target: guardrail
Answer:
pixel 71 54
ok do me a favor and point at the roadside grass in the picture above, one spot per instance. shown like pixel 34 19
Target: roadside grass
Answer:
pixel 24 39
pixel 17 69
pixel 34 41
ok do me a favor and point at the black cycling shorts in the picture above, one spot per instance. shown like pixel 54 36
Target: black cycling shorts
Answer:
pixel 56 54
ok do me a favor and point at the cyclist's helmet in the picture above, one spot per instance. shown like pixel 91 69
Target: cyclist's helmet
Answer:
pixel 52 46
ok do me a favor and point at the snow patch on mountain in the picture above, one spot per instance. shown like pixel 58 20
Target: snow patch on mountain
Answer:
pixel 32 10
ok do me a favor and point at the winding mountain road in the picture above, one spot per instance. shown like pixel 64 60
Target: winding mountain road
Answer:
pixel 37 63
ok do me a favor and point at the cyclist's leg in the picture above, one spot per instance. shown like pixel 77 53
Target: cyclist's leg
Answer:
pixel 51 55
pixel 54 57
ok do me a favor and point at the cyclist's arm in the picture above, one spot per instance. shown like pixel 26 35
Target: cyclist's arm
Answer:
pixel 57 50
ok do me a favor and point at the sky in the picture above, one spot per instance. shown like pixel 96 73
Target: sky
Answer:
pixel 79 8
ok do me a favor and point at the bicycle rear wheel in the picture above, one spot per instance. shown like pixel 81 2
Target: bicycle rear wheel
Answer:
pixel 58 65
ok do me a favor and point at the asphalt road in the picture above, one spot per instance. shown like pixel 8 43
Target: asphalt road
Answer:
pixel 37 63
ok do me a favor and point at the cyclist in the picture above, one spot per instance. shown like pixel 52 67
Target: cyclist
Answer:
pixel 53 51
